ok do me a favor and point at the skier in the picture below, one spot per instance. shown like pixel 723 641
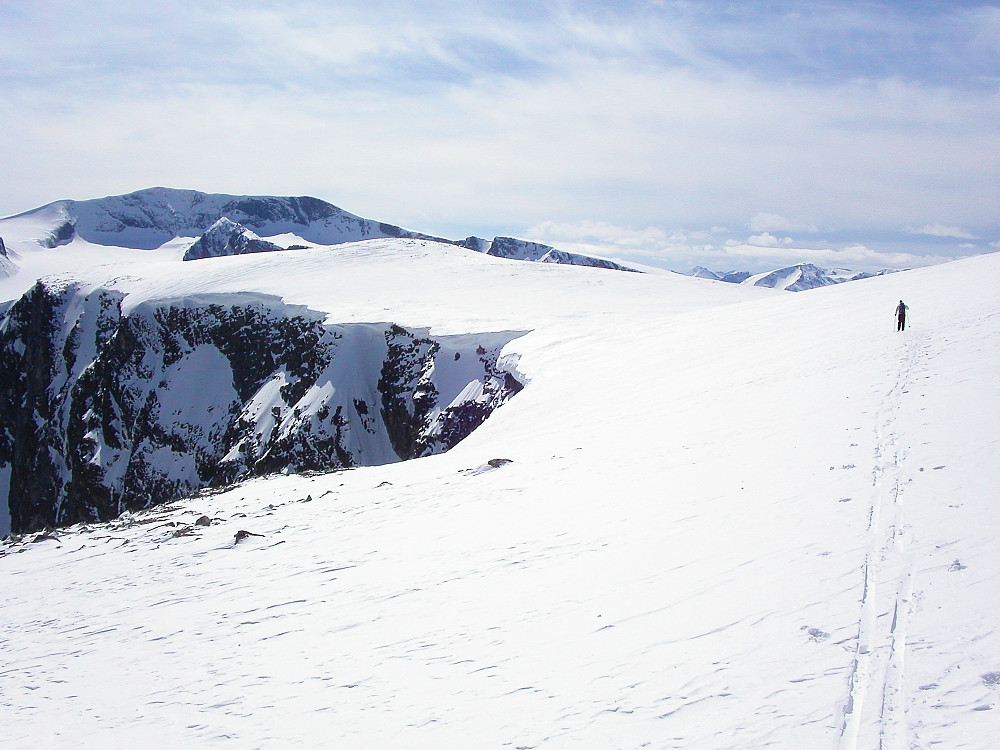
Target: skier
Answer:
pixel 900 316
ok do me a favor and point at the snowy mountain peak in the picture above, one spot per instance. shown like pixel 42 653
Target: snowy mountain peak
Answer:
pixel 700 272
pixel 226 237
pixel 804 276
pixel 796 278
pixel 148 218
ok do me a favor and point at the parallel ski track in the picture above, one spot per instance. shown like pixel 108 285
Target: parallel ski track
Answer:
pixel 875 711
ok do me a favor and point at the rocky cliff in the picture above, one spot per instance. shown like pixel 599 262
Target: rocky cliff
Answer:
pixel 111 408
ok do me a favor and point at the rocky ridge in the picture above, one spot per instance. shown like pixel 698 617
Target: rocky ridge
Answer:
pixel 146 219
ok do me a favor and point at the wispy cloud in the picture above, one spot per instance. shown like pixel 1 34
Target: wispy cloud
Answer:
pixel 603 233
pixel 941 230
pixel 682 250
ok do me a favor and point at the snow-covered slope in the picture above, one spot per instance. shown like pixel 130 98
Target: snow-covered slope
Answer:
pixel 101 364
pixel 701 524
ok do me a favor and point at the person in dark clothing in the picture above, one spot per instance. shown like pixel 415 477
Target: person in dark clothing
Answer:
pixel 900 316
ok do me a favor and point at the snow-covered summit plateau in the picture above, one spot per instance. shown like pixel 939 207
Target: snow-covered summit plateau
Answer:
pixel 701 516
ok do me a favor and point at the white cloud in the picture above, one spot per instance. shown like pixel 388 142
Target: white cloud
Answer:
pixel 681 250
pixel 764 222
pixel 600 232
pixel 763 240
pixel 940 230
pixel 768 240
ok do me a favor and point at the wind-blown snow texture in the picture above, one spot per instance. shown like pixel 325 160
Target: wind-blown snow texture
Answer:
pixel 717 516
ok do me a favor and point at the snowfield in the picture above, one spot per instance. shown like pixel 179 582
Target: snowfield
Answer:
pixel 717 516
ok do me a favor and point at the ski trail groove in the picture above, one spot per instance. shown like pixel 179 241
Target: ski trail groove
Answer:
pixel 875 710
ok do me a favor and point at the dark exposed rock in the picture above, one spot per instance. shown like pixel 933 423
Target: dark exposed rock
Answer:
pixel 515 249
pixel 735 277
pixel 61 235
pixel 407 392
pixel 226 237
pixel 110 411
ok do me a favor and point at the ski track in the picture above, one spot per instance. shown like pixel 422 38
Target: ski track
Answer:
pixel 875 710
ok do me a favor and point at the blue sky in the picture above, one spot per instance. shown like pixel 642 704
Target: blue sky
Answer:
pixel 736 135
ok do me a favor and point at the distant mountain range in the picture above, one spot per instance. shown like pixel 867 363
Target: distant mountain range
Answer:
pixel 795 278
pixel 222 224
pixel 234 225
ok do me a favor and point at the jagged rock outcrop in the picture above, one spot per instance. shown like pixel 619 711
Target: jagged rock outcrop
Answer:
pixel 111 407
pixel 226 237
